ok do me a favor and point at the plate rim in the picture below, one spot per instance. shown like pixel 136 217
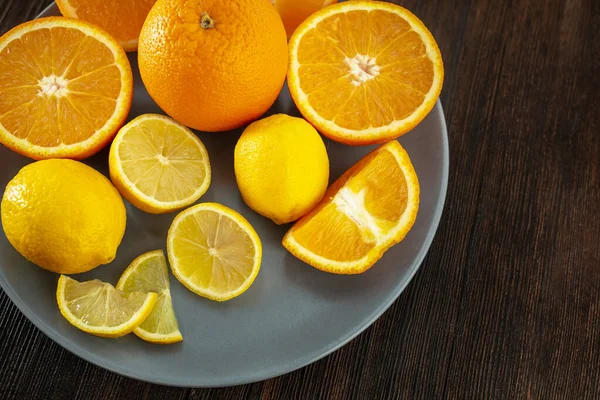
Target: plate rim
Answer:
pixel 88 356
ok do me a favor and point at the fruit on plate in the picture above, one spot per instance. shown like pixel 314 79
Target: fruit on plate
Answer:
pixel 367 210
pixel 281 167
pixel 65 88
pixel 123 19
pixel 293 12
pixel 213 65
pixel 214 251
pixel 98 308
pixel 63 216
pixel 364 72
pixel 149 274
pixel 158 164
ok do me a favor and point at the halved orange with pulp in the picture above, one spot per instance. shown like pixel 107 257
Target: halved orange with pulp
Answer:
pixel 364 72
pixel 367 210
pixel 65 88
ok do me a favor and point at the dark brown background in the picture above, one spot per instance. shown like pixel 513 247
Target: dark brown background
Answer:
pixel 507 303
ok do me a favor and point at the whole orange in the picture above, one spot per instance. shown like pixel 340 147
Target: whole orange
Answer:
pixel 213 65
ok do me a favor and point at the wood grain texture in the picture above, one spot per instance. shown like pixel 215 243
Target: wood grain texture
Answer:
pixel 507 302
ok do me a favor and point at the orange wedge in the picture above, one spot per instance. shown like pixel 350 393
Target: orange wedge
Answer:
pixel 65 88
pixel 365 212
pixel 364 72
pixel 123 19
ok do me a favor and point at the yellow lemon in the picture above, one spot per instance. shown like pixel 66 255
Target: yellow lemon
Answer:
pixel 281 167
pixel 63 216
pixel 214 251
pixel 158 164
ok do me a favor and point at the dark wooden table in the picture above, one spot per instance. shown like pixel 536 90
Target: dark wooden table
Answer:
pixel 507 303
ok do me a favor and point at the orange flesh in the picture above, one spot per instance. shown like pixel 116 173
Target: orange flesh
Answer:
pixel 57 86
pixel 391 91
pixel 335 230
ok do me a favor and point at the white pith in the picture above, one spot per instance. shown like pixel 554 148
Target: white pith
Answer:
pixel 363 68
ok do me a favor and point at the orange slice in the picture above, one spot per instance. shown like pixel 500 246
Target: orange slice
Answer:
pixel 293 12
pixel 123 19
pixel 365 212
pixel 65 88
pixel 364 72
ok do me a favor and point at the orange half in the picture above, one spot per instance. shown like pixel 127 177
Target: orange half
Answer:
pixel 65 88
pixel 123 19
pixel 364 72
pixel 365 212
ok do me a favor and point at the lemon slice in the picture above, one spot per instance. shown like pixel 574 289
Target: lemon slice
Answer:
pixel 98 308
pixel 149 273
pixel 159 165
pixel 214 251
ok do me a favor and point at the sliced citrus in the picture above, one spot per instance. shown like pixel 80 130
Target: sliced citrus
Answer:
pixel 158 164
pixel 293 12
pixel 214 251
pixel 367 210
pixel 65 88
pixel 123 19
pixel 149 273
pixel 98 308
pixel 364 72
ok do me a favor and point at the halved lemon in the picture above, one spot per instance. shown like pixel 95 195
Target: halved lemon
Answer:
pixel 214 251
pixel 158 164
pixel 367 210
pixel 65 88
pixel 364 72
pixel 149 273
pixel 98 308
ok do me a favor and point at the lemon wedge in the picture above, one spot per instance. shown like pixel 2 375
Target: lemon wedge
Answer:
pixel 98 308
pixel 149 273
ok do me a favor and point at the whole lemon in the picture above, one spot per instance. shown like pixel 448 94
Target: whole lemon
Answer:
pixel 63 216
pixel 281 167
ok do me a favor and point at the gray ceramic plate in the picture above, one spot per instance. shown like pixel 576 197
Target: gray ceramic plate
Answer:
pixel 291 316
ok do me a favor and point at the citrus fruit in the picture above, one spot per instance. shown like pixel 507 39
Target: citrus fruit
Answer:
pixel 158 164
pixel 226 60
pixel 293 12
pixel 367 210
pixel 364 72
pixel 98 308
pixel 214 251
pixel 63 216
pixel 123 19
pixel 65 88
pixel 149 273
pixel 281 167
